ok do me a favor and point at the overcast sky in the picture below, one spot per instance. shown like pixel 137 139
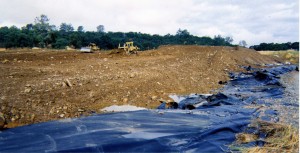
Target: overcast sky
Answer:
pixel 254 21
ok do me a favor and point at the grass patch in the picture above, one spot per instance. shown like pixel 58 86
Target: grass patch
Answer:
pixel 279 138
pixel 289 55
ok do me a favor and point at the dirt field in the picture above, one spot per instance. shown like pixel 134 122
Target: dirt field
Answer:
pixel 38 86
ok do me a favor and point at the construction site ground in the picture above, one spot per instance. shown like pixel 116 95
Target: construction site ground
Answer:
pixel 43 85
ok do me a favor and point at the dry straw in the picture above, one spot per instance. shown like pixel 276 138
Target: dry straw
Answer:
pixel 279 138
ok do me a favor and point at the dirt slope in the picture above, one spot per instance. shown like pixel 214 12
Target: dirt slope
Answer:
pixel 37 86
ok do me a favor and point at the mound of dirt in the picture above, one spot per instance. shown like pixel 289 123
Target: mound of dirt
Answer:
pixel 38 86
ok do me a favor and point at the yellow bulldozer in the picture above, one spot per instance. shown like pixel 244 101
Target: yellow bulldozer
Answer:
pixel 91 48
pixel 129 48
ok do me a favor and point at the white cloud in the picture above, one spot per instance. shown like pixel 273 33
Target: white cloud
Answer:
pixel 254 21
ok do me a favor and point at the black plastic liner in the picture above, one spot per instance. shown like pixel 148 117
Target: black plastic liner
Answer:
pixel 197 123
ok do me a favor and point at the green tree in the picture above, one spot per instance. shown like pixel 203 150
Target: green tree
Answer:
pixel 295 45
pixel 41 29
pixel 100 28
pixel 182 32
pixel 182 36
pixel 64 27
pixel 61 43
pixel 276 46
pixel 76 39
pixel 4 31
pixel 42 24
pixel 13 37
pixel 105 42
pixel 219 41
pixel 42 34
pixel 229 40
pixel 80 29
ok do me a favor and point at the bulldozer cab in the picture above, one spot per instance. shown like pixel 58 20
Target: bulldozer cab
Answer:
pixel 129 44
pixel 92 44
pixel 93 47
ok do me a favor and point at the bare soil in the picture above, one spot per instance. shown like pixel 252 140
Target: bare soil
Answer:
pixel 43 85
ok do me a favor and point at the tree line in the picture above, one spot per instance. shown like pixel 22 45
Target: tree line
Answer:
pixel 276 46
pixel 44 35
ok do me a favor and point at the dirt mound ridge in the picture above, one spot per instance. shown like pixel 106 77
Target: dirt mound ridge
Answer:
pixel 50 85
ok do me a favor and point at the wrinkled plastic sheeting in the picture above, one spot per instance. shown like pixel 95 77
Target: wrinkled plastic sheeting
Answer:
pixel 195 123
pixel 140 131
pixel 244 88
